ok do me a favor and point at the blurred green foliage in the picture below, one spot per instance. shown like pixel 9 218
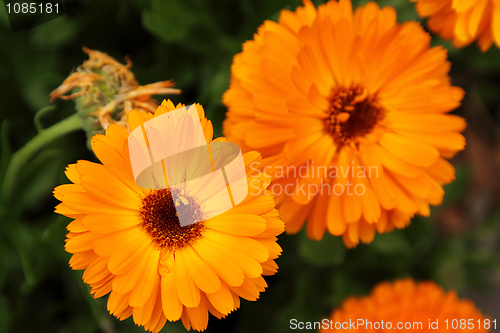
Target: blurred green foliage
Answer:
pixel 193 42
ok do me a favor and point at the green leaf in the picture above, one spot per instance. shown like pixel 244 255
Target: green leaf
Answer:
pixel 458 188
pixel 391 243
pixel 343 286
pixel 41 176
pixel 4 315
pixel 450 265
pixel 6 151
pixel 22 239
pixel 327 252
pixel 21 158
pixel 54 34
pixel 170 20
pixel 36 73
pixel 4 18
pixel 56 230
pixel 8 260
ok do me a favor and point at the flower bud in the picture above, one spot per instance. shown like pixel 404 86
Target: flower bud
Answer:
pixel 105 91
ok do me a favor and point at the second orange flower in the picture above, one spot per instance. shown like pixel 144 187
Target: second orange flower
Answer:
pixel 350 113
pixel 463 21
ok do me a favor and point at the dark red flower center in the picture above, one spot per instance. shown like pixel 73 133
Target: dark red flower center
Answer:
pixel 352 114
pixel 160 218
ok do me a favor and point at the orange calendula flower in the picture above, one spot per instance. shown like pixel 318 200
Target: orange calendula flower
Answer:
pixel 408 306
pixel 463 21
pixel 129 241
pixel 350 114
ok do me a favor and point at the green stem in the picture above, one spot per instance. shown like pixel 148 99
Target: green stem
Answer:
pixel 22 156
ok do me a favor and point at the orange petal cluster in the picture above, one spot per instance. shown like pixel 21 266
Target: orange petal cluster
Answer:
pixel 463 21
pixel 409 306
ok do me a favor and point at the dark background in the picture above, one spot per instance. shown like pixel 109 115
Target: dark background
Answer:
pixel 193 42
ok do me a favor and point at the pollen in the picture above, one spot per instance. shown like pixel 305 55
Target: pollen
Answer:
pixel 160 218
pixel 353 113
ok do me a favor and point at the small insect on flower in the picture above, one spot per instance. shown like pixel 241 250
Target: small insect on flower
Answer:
pixel 181 200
